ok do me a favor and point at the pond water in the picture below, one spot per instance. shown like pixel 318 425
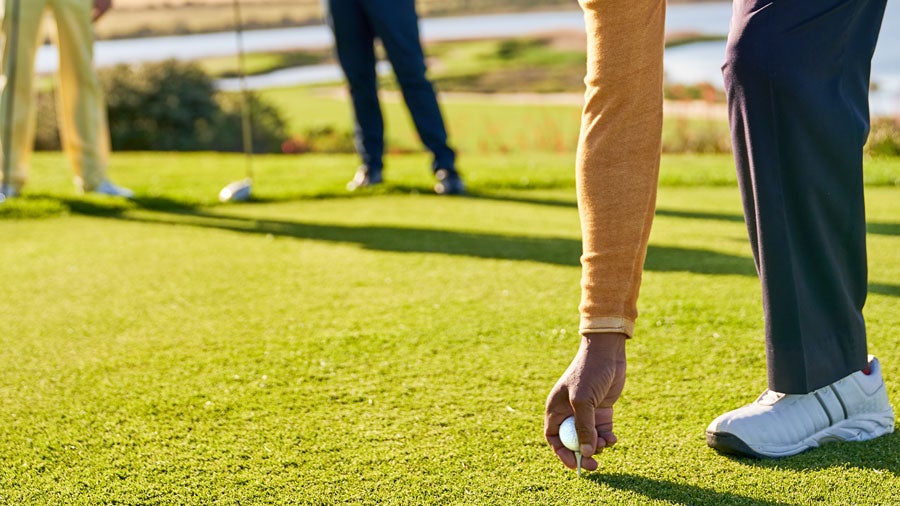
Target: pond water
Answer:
pixel 688 64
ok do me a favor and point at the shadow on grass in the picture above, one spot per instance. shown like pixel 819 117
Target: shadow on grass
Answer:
pixel 550 250
pixel 882 454
pixel 525 200
pixel 883 228
pixel 878 228
pixel 695 215
pixel 885 289
pixel 872 227
pixel 170 205
pixel 674 493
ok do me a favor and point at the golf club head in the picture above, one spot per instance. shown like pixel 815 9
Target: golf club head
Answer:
pixel 238 191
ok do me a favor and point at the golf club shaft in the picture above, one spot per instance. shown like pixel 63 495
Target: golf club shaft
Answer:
pixel 246 114
pixel 12 43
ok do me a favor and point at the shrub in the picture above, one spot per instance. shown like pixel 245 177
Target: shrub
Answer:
pixel 269 129
pixel 323 139
pixel 174 106
pixel 697 136
pixel 884 137
pixel 699 91
pixel 512 48
pixel 167 106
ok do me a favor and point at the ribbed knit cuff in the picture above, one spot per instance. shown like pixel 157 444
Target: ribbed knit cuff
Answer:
pixel 600 325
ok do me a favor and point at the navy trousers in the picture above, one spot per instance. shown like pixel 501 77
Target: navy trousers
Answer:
pixel 797 79
pixel 356 24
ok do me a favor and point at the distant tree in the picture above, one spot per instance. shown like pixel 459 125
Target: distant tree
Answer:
pixel 174 106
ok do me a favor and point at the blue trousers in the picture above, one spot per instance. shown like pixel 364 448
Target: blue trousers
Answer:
pixel 356 24
pixel 797 79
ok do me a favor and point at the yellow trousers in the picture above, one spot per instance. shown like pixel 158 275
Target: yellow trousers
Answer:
pixel 617 165
pixel 81 105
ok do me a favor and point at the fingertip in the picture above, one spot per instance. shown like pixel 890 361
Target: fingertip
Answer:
pixel 589 464
pixel 608 438
pixel 587 450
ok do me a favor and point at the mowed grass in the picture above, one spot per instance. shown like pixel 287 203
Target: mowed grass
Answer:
pixel 390 347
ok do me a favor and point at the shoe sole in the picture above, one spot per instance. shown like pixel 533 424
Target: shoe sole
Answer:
pixel 871 426
pixel 353 187
pixel 440 189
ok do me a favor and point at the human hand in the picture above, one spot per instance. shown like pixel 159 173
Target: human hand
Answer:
pixel 100 8
pixel 588 389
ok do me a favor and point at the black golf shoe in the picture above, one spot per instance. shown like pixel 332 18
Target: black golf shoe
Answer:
pixel 449 183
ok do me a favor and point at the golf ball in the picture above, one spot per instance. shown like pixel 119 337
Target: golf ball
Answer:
pixel 568 435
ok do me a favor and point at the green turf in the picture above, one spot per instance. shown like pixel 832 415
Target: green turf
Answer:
pixel 391 347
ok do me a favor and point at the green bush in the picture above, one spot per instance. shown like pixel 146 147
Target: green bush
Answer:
pixel 174 106
pixel 884 137
pixel 697 136
pixel 512 48
pixel 268 127
pixel 171 106
pixel 321 139
pixel 700 91
pixel 167 106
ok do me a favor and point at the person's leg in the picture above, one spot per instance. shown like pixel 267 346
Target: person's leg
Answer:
pixel 22 127
pixel 82 106
pixel 354 45
pixel 797 77
pixel 397 25
pixel 618 156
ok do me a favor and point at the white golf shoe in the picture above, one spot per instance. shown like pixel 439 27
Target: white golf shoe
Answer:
pixel 9 191
pixel 853 408
pixel 106 187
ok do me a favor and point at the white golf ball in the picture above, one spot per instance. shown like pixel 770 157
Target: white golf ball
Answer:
pixel 568 435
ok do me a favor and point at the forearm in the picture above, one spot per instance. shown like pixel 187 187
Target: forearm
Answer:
pixel 618 157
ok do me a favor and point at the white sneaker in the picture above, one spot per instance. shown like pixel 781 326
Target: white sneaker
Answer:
pixel 107 188
pixel 9 191
pixel 853 408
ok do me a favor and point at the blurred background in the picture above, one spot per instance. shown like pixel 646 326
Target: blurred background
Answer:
pixel 192 16
pixel 509 73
